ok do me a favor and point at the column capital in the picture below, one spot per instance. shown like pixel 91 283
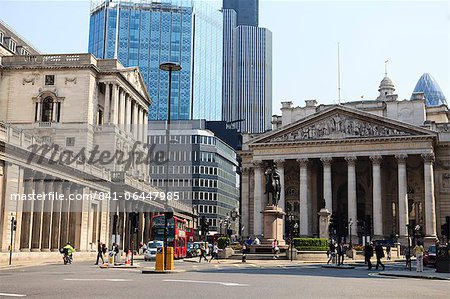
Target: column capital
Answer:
pixel 257 163
pixel 376 159
pixel 279 162
pixel 351 160
pixel 428 157
pixel 401 158
pixel 303 162
pixel 326 161
pixel 245 169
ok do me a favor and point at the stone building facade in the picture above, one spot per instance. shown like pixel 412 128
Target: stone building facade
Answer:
pixel 75 105
pixel 385 161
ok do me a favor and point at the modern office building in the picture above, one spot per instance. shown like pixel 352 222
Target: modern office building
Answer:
pixel 202 168
pixel 430 88
pixel 247 11
pixel 247 71
pixel 146 34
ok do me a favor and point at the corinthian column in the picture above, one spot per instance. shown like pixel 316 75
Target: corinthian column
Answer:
pixel 376 197
pixel 351 193
pixel 430 205
pixel 245 202
pixel 327 189
pixel 258 202
pixel 402 195
pixel 303 198
pixel 281 202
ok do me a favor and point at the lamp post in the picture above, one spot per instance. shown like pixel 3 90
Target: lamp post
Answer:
pixel 291 219
pixel 168 67
pixel 408 257
pixel 350 223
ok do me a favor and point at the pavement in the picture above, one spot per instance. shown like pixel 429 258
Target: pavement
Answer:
pixel 267 279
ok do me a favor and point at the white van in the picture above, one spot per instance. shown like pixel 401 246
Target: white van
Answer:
pixel 152 246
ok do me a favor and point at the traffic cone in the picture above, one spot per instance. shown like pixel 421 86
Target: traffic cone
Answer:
pixel 128 260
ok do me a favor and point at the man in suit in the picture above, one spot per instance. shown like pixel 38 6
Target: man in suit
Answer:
pixel 368 253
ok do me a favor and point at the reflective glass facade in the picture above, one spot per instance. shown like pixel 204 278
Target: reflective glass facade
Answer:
pixel 433 93
pixel 246 10
pixel 146 34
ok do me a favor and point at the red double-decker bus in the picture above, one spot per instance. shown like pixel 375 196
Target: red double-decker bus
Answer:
pixel 176 236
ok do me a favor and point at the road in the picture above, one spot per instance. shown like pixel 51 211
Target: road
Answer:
pixel 85 280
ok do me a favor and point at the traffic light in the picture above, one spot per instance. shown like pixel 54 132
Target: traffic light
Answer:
pixel 445 230
pixel 202 225
pixel 368 225
pixel 134 219
pixel 14 224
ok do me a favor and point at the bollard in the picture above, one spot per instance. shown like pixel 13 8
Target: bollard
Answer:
pixel 111 258
pixel 244 257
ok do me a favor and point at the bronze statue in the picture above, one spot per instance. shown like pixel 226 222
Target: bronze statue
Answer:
pixel 273 185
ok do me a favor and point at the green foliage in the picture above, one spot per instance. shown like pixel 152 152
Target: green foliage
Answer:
pixel 222 241
pixel 311 244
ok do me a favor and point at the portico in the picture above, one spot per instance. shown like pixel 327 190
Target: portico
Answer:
pixel 360 165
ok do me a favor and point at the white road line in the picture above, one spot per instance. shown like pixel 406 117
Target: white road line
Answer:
pixel 228 284
pixel 12 295
pixel 97 279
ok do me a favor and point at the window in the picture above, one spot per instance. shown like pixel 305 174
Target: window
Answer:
pixel 70 141
pixel 12 45
pixel 2 35
pixel 49 79
pixel 24 52
pixel 47 110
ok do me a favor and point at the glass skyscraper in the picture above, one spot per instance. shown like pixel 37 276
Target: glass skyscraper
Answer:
pixel 247 11
pixel 247 69
pixel 148 33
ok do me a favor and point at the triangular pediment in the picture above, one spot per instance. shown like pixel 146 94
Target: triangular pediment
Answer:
pixel 339 122
pixel 134 76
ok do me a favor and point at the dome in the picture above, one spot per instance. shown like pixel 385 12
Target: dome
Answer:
pixel 386 83
pixel 433 93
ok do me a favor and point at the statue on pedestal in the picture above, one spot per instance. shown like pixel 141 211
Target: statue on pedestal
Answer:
pixel 273 185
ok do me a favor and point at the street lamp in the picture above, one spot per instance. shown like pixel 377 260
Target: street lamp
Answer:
pixel 168 67
pixel 350 223
pixel 408 256
pixel 291 220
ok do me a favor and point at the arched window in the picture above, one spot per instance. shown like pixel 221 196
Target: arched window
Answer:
pixel 47 110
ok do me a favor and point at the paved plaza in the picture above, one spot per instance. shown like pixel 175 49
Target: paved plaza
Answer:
pixel 258 279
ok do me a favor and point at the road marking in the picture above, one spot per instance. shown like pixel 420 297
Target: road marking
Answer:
pixel 228 284
pixel 97 279
pixel 12 295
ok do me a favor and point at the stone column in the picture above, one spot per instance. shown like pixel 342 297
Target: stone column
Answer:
pixel 430 205
pixel 47 215
pixel 281 203
pixel 258 199
pixel 139 124
pixel 56 217
pixel 65 214
pixel 402 195
pixel 145 126
pixel 245 202
pixel 127 113
pixel 107 104
pixel 37 217
pixel 135 121
pixel 122 109
pixel 25 236
pixel 351 193
pixel 303 198
pixel 327 186
pixel 115 104
pixel 376 197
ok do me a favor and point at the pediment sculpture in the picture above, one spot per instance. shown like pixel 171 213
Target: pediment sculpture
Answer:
pixel 339 126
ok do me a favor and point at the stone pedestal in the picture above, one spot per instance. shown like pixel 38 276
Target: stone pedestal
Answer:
pixel 324 222
pixel 273 225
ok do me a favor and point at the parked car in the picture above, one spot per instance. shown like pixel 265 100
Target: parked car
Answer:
pixel 152 246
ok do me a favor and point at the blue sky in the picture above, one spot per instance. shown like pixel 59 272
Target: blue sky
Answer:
pixel 413 35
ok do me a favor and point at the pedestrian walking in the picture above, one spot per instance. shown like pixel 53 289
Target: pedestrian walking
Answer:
pixel 368 253
pixel 418 252
pixel 275 249
pixel 379 252
pixel 388 252
pixel 99 252
pixel 408 258
pixel 202 253
pixel 332 251
pixel 104 249
pixel 115 248
pixel 340 253
pixel 215 253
